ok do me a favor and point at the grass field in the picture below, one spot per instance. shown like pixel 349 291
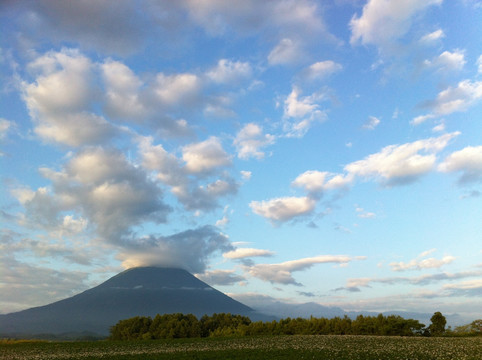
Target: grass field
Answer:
pixel 269 347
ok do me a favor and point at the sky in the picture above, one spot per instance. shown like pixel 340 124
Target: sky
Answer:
pixel 298 151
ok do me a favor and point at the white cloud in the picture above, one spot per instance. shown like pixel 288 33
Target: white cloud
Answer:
pixel 60 97
pixel 321 69
pixel 432 37
pixel 205 156
pixel 63 84
pixel 111 193
pixel 371 123
pixel 419 264
pixel 361 213
pixel 448 61
pixel 177 89
pixel 479 64
pixel 250 139
pixel 282 273
pixel 283 209
pixel 5 127
pixel 246 175
pixel 301 112
pixel 230 72
pixel 459 98
pixel 242 253
pixel 202 159
pixel 286 52
pixel 122 91
pixel 312 181
pixel 384 21
pixel 468 161
pixel 421 119
pixel 400 164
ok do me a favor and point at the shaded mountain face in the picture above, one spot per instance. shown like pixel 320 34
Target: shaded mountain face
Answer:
pixel 145 291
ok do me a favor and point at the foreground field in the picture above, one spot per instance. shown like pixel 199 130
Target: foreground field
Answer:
pixel 272 347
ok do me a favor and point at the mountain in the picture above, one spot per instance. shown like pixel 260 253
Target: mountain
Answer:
pixel 144 291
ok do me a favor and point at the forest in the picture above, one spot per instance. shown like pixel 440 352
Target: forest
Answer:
pixel 170 326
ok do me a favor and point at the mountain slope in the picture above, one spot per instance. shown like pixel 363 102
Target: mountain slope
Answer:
pixel 143 291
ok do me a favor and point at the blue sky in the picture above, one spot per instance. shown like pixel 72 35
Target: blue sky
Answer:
pixel 325 151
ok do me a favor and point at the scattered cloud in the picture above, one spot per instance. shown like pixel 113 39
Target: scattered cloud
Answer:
pixel 362 213
pixel 420 263
pixel 448 61
pixel 241 253
pixel 384 21
pixel 432 37
pixel 301 112
pixel 250 139
pixel 321 70
pixel 401 164
pixel 205 156
pixel 372 123
pixel 283 209
pixel 286 52
pixel 457 99
pixel 282 273
pixel 468 161
pixel 230 72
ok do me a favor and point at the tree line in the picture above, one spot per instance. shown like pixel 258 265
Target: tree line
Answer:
pixel 170 326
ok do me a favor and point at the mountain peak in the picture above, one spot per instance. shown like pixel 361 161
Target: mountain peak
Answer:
pixel 141 291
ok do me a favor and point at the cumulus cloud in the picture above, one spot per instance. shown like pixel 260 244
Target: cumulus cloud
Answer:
pixel 123 100
pixel 467 161
pixel 59 98
pixel 383 21
pixel 190 249
pixel 283 209
pixel 321 69
pixel 393 165
pixel 230 72
pixel 300 112
pixel 176 89
pixel 112 194
pixel 401 164
pixel 421 262
pixel 282 273
pixel 241 253
pixel 457 99
pixel 448 61
pixel 250 139
pixel 201 159
pixel 205 156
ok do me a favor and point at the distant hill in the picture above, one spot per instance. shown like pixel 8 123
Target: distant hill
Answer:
pixel 144 291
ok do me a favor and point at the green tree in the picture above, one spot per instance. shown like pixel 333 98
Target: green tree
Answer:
pixel 437 327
